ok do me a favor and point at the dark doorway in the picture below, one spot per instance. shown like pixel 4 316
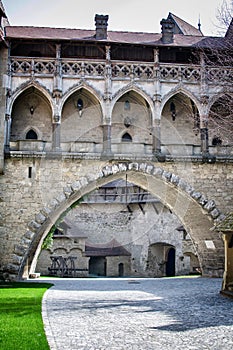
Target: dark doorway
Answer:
pixel 170 264
pixel 97 265
pixel 121 270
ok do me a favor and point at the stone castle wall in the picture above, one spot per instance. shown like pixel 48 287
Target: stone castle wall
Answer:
pixel 24 198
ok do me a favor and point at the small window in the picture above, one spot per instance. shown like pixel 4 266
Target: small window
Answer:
pixel 126 137
pixel 80 104
pixel 127 105
pixel 216 141
pixel 31 135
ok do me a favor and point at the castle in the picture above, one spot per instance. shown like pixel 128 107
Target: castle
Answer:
pixel 111 142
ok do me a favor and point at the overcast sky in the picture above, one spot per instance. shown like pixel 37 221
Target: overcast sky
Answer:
pixel 124 15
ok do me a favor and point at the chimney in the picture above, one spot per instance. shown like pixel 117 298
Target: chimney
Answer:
pixel 167 31
pixel 101 24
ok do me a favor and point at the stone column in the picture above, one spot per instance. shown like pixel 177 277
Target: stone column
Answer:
pixel 204 126
pixel 56 139
pixel 204 136
pixel 7 131
pixel 156 129
pixel 107 151
pixel 57 81
pixel 106 140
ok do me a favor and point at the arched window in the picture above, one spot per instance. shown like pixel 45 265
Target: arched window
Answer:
pixel 126 137
pixel 80 104
pixel 127 105
pixel 31 135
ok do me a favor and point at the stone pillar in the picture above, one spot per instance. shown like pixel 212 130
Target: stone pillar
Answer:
pixel 156 146
pixel 106 140
pixel 204 137
pixel 156 129
pixel 56 139
pixel 204 126
pixel 57 80
pixel 7 131
pixel 3 93
pixel 57 94
pixel 107 147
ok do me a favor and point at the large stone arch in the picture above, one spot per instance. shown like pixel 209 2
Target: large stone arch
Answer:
pixel 75 88
pixel 185 92
pixel 26 86
pixel 85 124
pixel 196 212
pixel 134 88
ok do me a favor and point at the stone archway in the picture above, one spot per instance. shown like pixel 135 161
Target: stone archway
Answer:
pixel 196 212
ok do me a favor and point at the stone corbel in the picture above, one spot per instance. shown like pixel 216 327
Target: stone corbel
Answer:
pixel 57 93
pixel 56 119
pixel 157 98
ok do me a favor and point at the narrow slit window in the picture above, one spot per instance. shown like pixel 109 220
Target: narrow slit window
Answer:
pixel 127 105
pixel 30 172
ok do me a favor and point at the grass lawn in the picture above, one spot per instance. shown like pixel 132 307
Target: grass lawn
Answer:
pixel 21 325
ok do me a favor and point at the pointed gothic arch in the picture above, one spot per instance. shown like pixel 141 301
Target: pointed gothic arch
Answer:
pixel 132 88
pixel 81 117
pixel 77 88
pixel 29 86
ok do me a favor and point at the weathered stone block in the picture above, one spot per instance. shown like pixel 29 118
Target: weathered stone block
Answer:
pixel 12 268
pixel 202 200
pixel 166 175
pixel 196 195
pixel 40 218
pixel 17 259
pixel 174 179
pixel 157 171
pixel 19 250
pixel 76 186
pixel 182 184
pixel 149 169
pixel 61 197
pixel 115 169
pixel 133 166
pixel 29 235
pixel 68 191
pixel 107 170
pixel 46 211
pixel 34 226
pixel 215 213
pixel 142 167
pixel 210 205
pixel 53 204
pixel 122 167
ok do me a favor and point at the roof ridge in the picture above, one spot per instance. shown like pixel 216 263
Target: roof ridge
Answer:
pixel 81 29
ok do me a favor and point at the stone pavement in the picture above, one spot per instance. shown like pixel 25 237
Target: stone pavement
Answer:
pixel 138 314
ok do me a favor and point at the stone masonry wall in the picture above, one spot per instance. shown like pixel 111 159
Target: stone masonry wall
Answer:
pixel 23 197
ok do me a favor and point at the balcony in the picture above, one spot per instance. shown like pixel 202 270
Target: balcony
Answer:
pixel 96 69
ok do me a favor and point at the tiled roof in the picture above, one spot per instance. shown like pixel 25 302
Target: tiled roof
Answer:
pixel 64 34
pixel 113 248
pixel 184 27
